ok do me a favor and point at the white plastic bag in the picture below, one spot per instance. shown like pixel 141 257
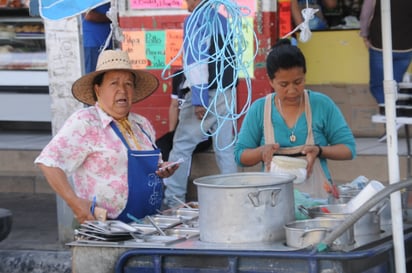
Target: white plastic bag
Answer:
pixel 290 165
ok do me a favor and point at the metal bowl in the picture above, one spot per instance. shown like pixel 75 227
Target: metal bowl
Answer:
pixel 368 224
pixel 6 221
pixel 305 233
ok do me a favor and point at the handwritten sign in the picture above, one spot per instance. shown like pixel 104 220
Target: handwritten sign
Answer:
pixel 248 55
pixel 155 49
pixel 248 8
pixel 153 4
pixel 135 45
pixel 174 41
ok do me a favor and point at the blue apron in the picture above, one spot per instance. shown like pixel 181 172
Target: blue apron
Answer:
pixel 145 186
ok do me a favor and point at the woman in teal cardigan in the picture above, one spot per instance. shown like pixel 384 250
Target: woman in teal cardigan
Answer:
pixel 298 122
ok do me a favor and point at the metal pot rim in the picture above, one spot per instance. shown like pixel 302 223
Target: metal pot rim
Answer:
pixel 292 226
pixel 269 179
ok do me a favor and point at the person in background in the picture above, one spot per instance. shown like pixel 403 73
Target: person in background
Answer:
pixel 200 74
pixel 106 150
pixel 318 22
pixel 96 29
pixel 179 90
pixel 371 32
pixel 342 13
pixel 294 121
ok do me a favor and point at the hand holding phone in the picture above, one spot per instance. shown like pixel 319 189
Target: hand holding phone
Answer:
pixel 171 164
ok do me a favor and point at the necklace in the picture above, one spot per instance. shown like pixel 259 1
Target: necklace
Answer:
pixel 292 136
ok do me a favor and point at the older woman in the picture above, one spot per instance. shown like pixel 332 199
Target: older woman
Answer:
pixel 294 121
pixel 108 150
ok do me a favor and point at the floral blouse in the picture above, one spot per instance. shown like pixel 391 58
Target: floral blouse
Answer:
pixel 88 149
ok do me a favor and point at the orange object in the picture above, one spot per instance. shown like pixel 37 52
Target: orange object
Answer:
pixel 327 187
pixel 335 191
pixel 332 189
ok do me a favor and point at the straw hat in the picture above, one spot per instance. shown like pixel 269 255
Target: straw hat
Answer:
pixel 109 60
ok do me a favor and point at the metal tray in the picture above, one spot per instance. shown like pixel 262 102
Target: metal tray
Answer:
pixel 108 227
pixel 164 222
pixel 154 240
pixel 187 214
pixel 83 234
pixel 144 229
pixel 186 233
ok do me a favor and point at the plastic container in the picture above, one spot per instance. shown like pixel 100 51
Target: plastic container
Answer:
pixel 290 165
pixel 372 188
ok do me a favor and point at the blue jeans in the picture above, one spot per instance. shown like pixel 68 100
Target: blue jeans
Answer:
pixel 188 134
pixel 401 62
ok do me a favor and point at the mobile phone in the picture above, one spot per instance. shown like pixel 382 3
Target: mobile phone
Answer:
pixel 171 164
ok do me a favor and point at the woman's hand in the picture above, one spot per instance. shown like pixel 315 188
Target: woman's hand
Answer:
pixel 82 210
pixel 251 157
pixel 267 154
pixel 311 152
pixel 167 169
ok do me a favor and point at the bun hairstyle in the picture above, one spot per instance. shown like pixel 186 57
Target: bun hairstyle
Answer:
pixel 282 42
pixel 284 55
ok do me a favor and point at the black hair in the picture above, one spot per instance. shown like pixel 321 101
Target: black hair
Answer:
pixel 283 55
pixel 97 80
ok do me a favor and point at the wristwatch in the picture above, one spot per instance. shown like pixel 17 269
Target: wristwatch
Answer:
pixel 320 150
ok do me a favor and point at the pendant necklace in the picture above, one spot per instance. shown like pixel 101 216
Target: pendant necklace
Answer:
pixel 292 136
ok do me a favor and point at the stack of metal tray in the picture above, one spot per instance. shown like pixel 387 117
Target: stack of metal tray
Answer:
pixel 161 229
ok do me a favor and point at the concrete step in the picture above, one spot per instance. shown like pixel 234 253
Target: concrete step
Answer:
pixel 18 173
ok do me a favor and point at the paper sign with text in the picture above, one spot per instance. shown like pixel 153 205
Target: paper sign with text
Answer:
pixel 154 4
pixel 135 45
pixel 174 41
pixel 155 49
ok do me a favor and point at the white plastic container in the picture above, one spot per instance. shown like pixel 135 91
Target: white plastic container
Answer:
pixel 290 165
pixel 372 188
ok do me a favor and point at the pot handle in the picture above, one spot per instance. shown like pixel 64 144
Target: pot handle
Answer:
pixel 382 206
pixel 305 232
pixel 254 196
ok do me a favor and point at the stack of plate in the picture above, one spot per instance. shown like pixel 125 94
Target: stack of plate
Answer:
pixel 112 231
pixel 161 230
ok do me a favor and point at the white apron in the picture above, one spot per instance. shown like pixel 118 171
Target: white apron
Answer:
pixel 317 185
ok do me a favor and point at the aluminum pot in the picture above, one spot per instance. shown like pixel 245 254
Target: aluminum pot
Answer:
pixel 306 233
pixel 244 207
pixel 368 224
pixel 383 208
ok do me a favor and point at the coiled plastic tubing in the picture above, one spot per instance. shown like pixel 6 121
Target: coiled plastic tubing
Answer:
pixel 235 40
